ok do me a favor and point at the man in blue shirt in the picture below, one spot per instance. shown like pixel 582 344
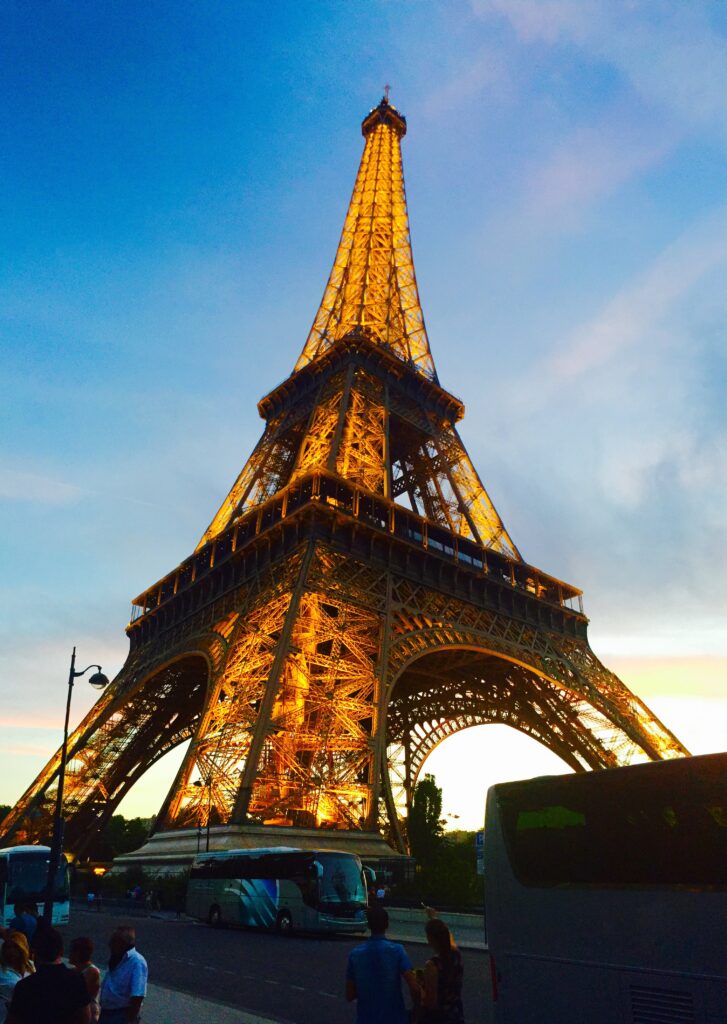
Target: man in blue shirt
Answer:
pixel 374 975
pixel 24 922
pixel 124 986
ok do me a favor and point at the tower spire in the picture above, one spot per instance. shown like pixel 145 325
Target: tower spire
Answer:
pixel 372 287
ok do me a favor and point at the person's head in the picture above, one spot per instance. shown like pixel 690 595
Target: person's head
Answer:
pixel 80 951
pixel 20 941
pixel 122 939
pixel 378 920
pixel 19 908
pixel 30 908
pixel 439 936
pixel 12 956
pixel 49 946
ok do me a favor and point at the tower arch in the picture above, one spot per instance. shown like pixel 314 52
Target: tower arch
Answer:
pixel 448 689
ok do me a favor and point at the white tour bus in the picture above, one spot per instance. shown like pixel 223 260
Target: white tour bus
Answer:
pixel 23 878
pixel 279 888
pixel 606 895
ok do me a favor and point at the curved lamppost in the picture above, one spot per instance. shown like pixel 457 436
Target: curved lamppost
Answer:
pixel 99 681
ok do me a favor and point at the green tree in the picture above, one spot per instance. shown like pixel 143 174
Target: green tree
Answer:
pixel 457 883
pixel 120 835
pixel 446 872
pixel 424 824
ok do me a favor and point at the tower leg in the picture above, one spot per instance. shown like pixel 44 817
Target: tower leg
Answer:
pixel 135 723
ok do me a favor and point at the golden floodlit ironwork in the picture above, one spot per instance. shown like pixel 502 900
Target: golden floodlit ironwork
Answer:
pixel 356 599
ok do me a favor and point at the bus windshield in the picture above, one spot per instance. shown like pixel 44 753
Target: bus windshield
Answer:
pixel 26 875
pixel 342 881
pixel 23 879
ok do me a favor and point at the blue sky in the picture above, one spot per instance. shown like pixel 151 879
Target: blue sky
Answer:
pixel 173 182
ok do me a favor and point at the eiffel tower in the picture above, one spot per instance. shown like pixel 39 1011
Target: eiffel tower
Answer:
pixel 356 600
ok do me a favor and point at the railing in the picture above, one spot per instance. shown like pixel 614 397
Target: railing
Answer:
pixel 379 513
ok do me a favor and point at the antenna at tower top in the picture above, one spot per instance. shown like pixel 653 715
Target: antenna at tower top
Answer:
pixel 387 90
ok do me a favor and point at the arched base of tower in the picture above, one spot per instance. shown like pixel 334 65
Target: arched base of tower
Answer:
pixel 172 851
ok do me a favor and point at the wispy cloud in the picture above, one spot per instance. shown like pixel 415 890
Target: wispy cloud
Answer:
pixel 631 317
pixel 675 676
pixel 27 720
pixel 590 163
pixel 670 53
pixel 623 416
pixel 23 750
pixel 547 20
pixel 487 70
pixel 19 485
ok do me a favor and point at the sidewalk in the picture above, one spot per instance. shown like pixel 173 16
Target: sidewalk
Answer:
pixel 168 1006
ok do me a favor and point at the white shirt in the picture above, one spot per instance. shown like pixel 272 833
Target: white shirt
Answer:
pixel 127 981
pixel 8 980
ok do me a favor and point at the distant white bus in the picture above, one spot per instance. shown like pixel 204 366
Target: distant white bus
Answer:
pixel 606 895
pixel 23 878
pixel 280 889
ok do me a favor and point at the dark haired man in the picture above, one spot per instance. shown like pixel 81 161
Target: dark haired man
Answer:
pixel 54 994
pixel 375 972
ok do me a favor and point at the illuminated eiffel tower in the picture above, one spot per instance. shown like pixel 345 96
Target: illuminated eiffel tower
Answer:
pixel 355 600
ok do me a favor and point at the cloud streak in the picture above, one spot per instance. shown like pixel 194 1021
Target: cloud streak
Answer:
pixel 632 315
pixel 670 54
pixel 19 485
pixel 590 164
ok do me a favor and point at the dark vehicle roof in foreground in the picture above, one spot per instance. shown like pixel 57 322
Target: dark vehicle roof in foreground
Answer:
pixel 662 824
pixel 702 763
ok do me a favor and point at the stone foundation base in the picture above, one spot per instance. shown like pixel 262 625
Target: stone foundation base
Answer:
pixel 167 853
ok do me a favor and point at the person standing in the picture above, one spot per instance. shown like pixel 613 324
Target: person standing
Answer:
pixel 442 996
pixel 375 972
pixel 24 922
pixel 79 955
pixel 54 994
pixel 124 986
pixel 19 940
pixel 12 969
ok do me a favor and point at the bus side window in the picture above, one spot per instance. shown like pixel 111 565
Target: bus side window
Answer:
pixel 309 891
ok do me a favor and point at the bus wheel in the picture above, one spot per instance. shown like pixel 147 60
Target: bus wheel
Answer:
pixel 214 917
pixel 283 923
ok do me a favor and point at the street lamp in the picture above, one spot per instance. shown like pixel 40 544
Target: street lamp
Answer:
pixel 98 680
pixel 208 783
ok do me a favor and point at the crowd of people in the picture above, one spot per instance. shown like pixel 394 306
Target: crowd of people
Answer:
pixel 38 987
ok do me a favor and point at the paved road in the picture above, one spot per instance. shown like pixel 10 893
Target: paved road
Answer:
pixel 297 979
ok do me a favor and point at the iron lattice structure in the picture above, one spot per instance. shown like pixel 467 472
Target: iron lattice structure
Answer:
pixel 355 600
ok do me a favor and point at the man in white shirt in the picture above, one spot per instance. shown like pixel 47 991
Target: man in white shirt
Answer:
pixel 124 986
